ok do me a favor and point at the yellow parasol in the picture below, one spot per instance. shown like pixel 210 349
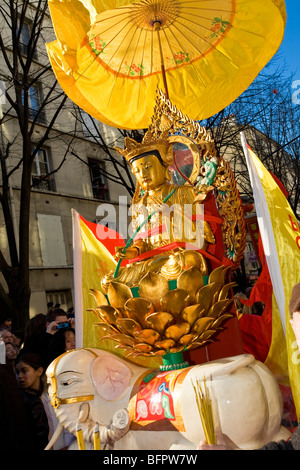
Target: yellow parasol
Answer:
pixel 111 56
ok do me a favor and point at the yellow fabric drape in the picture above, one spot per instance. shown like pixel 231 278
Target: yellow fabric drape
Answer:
pixel 281 359
pixel 96 262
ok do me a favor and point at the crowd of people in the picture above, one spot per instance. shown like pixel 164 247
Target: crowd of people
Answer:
pixel 25 408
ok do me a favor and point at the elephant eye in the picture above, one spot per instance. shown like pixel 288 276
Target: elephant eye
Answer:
pixel 71 381
pixel 69 377
pixel 65 384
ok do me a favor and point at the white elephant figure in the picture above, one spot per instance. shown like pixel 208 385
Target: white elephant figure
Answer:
pixel 139 408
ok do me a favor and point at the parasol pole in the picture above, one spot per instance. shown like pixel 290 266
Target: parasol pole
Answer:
pixel 156 26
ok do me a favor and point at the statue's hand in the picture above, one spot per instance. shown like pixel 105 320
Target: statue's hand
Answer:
pixel 129 253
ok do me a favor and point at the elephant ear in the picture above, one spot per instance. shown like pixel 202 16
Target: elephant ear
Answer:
pixel 110 377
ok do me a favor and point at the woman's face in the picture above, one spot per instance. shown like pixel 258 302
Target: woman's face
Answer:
pixel 28 377
pixel 8 323
pixel 149 172
pixel 11 352
pixel 69 340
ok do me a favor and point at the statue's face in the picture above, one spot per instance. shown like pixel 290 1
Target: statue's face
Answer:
pixel 149 172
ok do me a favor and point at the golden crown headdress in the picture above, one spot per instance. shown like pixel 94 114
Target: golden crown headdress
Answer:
pixel 166 121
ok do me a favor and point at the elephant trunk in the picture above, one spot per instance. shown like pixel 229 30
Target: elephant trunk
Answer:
pixel 119 426
pixel 235 363
pixel 55 436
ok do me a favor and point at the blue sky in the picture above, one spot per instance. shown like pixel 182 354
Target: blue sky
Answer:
pixel 289 50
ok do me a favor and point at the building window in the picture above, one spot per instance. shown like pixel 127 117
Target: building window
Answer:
pixel 40 171
pixel 98 180
pixel 35 101
pixel 61 298
pixel 35 95
pixel 24 39
pixel 52 240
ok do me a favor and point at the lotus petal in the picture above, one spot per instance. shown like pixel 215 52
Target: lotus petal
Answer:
pixel 138 308
pixel 206 334
pixel 108 329
pixel 202 324
pixel 191 258
pixel 195 345
pixel 217 276
pixel 95 311
pixel 133 353
pixel 150 354
pixel 159 352
pixel 221 319
pixel 124 340
pixel 123 346
pixel 198 344
pixel 166 344
pixel 190 281
pixel 118 294
pixel 177 349
pixel 175 301
pixel 153 286
pixel 187 339
pixel 128 326
pixel 219 308
pixel 205 295
pixel 109 314
pixel 224 291
pixel 191 313
pixel 176 331
pixel 143 347
pixel 159 321
pixel 148 336
pixel 99 297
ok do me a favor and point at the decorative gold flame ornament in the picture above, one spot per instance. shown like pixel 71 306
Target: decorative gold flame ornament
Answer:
pixel 174 298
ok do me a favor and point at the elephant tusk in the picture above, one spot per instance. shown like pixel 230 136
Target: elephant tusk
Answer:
pixel 84 412
pixel 55 436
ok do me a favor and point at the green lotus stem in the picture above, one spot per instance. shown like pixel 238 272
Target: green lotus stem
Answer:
pixel 137 231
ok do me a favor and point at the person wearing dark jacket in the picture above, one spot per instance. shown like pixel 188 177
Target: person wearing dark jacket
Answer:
pixel 30 369
pixel 40 334
pixel 14 423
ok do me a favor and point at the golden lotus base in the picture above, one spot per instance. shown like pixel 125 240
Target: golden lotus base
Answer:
pixel 164 321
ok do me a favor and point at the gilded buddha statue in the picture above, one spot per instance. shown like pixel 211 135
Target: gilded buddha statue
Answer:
pixel 172 226
pixel 170 217
pixel 169 296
